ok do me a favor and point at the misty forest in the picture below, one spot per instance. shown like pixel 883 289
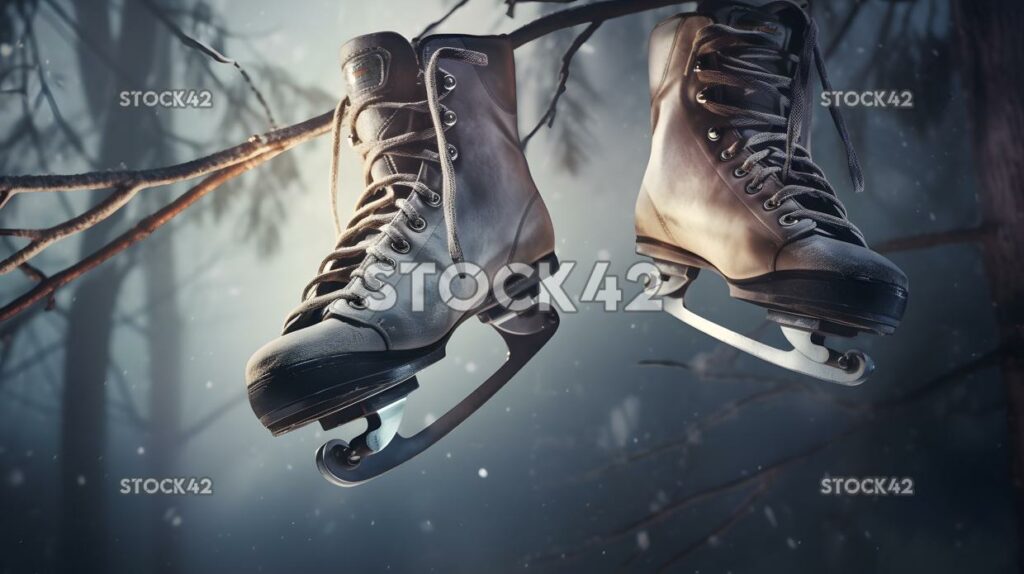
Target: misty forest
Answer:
pixel 133 293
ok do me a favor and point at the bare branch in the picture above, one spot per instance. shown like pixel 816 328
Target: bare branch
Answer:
pixel 137 233
pixel 212 417
pixel 867 419
pixel 573 17
pixel 43 238
pixel 207 50
pixel 128 183
pixel 280 139
pixel 743 509
pixel 219 166
pixel 511 12
pixel 971 235
pixel 433 25
pixel 844 28
pixel 44 86
pixel 563 77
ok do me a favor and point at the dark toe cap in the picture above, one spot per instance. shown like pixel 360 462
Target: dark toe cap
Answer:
pixel 325 339
pixel 825 254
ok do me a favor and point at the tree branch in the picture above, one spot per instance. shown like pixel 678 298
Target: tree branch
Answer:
pixel 213 54
pixel 573 17
pixel 563 77
pixel 129 183
pixel 225 164
pixel 433 25
pixel 137 233
pixel 844 28
pixel 742 510
pixel 977 234
pixel 868 418
pixel 211 417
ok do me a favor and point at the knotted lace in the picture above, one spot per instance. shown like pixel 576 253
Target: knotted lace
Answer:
pixel 744 57
pixel 363 241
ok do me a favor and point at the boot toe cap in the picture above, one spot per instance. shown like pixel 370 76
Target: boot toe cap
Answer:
pixel 320 341
pixel 827 255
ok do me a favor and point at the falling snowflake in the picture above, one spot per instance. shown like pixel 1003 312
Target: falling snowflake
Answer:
pixel 482 473
pixel 643 540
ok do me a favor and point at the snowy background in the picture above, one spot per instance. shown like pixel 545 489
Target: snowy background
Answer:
pixel 590 459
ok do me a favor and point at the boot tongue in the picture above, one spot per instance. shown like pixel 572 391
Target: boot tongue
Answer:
pixel 783 23
pixel 382 65
pixel 758 20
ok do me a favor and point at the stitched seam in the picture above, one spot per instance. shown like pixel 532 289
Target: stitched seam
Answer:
pixel 661 220
pixel 671 58
pixel 519 229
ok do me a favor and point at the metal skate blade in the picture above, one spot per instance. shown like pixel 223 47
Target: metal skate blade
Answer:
pixel 807 357
pixel 390 417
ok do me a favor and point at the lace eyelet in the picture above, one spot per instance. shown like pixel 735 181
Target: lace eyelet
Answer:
pixel 453 152
pixel 787 220
pixel 449 118
pixel 740 172
pixel 702 97
pixel 434 200
pixel 418 224
pixel 358 304
pixel 726 155
pixel 713 135
pixel 449 82
pixel 770 204
pixel 388 262
pixel 755 189
pixel 401 247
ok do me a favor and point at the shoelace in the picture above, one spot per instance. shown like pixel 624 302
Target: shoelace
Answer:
pixel 743 56
pixel 371 220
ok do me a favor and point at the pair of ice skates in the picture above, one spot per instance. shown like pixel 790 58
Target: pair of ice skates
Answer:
pixel 729 188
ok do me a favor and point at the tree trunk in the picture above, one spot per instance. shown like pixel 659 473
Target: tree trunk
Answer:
pixel 83 533
pixel 164 342
pixel 992 56
pixel 165 397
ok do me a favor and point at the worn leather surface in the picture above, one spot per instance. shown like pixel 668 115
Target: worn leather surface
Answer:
pixel 691 199
pixel 500 214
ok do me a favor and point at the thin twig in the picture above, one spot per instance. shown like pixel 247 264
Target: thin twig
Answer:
pixel 563 77
pixel 977 234
pixel 229 162
pixel 511 11
pixel 869 418
pixel 742 510
pixel 840 34
pixel 572 17
pixel 283 138
pixel 137 233
pixel 210 52
pixel 433 25
pixel 43 238
pixel 211 417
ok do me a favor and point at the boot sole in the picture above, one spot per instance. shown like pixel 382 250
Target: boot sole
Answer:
pixel 855 303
